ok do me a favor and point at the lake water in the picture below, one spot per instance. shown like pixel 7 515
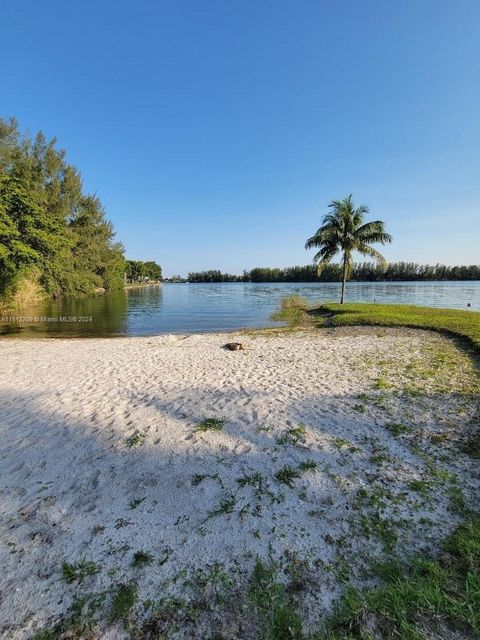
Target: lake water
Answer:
pixel 189 308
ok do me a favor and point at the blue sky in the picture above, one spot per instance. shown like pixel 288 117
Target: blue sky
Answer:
pixel 216 132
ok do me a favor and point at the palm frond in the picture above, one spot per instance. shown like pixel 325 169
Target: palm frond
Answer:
pixel 326 253
pixel 373 232
pixel 366 250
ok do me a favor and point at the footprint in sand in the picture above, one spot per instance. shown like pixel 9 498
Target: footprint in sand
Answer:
pixel 241 449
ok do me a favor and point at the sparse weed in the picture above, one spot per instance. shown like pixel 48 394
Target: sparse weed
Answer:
pixel 198 478
pixel 141 558
pixel 383 384
pixel 136 440
pixel 123 601
pixel 210 424
pixel 397 429
pixel 308 465
pixel 359 407
pixel 381 528
pixel 293 435
pixel 380 458
pixel 225 506
pixel 78 571
pixel 343 443
pixel 135 502
pixel 471 447
pixel 287 475
pixel 420 486
pixel 457 500
pixel 254 480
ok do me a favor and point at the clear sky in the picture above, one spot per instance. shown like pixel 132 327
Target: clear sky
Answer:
pixel 216 132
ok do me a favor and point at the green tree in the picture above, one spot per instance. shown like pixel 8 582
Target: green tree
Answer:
pixel 344 231
pixel 48 221
pixel 28 236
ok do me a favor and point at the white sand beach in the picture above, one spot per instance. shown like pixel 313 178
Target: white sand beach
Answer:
pixel 100 458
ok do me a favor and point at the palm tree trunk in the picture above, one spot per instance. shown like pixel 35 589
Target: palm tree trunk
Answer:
pixel 344 277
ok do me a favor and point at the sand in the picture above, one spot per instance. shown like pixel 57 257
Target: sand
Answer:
pixel 76 486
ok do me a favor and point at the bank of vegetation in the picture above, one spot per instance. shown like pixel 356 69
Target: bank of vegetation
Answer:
pixel 465 325
pixel 138 272
pixel 361 272
pixel 54 237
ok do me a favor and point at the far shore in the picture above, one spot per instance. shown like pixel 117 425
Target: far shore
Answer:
pixel 141 285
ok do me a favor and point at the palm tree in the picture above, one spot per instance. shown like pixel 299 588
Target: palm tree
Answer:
pixel 344 230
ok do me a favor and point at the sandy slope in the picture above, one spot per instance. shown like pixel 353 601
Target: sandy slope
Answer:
pixel 71 488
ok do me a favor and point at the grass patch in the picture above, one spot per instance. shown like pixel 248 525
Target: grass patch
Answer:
pixel 397 429
pixel 210 424
pixel 141 558
pixel 292 310
pixel 123 601
pixel 464 324
pixel 225 506
pixel 198 478
pixel 254 480
pixel 78 571
pixel 272 603
pixel 420 486
pixel 308 465
pixel 135 502
pixel 287 475
pixel 294 435
pixel 457 500
pixel 472 446
pixel 446 590
pixel 381 384
pixel 136 440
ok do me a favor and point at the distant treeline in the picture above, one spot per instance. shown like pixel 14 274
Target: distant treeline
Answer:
pixel 361 272
pixel 138 271
pixel 214 275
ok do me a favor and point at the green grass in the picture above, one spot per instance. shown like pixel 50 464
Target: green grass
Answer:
pixel 293 435
pixel 272 604
pixel 397 429
pixel 445 590
pixel 123 601
pixel 136 440
pixel 135 502
pixel 141 558
pixel 287 475
pixel 471 447
pixel 224 507
pixel 463 324
pixel 78 571
pixel 308 465
pixel 254 480
pixel 210 424
pixel 420 486
pixel 292 310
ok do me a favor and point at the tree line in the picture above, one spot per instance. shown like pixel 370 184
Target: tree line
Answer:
pixel 52 232
pixel 214 275
pixel 360 272
pixel 137 271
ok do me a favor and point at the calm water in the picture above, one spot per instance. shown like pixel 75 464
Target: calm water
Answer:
pixel 188 308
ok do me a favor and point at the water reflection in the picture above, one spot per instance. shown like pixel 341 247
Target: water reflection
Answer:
pixel 183 308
